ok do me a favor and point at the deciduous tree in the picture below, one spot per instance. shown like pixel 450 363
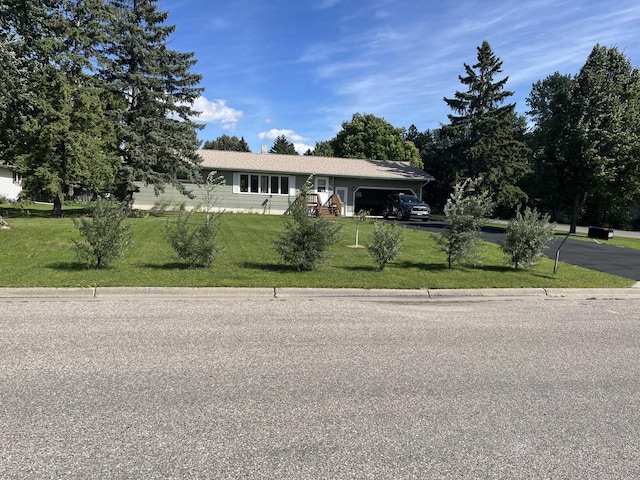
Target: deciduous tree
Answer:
pixel 225 142
pixel 588 135
pixel 370 137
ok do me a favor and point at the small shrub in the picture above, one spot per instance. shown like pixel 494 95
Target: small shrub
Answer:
pixel 106 237
pixel 465 211
pixel 305 245
pixel 305 241
pixel 386 242
pixel 197 245
pixel 526 237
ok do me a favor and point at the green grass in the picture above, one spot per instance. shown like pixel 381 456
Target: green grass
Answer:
pixel 37 251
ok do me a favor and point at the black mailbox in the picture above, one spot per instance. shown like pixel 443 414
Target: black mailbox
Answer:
pixel 601 233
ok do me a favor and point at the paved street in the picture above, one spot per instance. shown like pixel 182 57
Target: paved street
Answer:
pixel 319 388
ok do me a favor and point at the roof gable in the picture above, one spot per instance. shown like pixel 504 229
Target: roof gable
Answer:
pixel 311 165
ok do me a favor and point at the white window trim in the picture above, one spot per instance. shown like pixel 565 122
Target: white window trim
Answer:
pixel 327 184
pixel 236 183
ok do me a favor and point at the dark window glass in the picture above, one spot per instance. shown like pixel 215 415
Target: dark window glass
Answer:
pixel 254 183
pixel 284 185
pixel 244 183
pixel 275 185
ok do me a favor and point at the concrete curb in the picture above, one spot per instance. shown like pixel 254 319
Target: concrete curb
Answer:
pixel 201 292
pixel 45 292
pixel 100 293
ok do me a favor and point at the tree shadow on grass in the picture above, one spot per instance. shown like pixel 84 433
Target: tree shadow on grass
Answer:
pixel 492 268
pixel 360 268
pixel 268 267
pixel 165 266
pixel 68 266
pixel 434 267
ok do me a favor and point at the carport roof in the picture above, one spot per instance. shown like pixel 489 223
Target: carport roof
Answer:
pixel 311 165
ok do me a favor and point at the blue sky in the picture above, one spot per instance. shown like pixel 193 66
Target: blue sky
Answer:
pixel 302 67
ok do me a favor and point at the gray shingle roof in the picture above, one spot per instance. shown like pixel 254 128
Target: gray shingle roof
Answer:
pixel 307 165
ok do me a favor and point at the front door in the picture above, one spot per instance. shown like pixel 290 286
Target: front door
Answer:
pixel 343 192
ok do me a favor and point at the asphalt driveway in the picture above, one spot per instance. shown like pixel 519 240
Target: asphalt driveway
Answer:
pixel 594 255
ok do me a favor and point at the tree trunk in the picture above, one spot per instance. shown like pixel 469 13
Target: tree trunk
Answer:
pixel 578 203
pixel 57 206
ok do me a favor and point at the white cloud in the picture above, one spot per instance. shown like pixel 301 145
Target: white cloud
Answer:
pixel 297 140
pixel 301 148
pixel 275 133
pixel 217 111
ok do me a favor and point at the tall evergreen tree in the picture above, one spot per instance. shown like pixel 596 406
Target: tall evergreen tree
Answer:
pixel 485 135
pixel 65 140
pixel 225 142
pixel 157 136
pixel 283 146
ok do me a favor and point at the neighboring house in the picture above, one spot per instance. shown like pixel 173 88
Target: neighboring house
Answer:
pixel 9 182
pixel 268 183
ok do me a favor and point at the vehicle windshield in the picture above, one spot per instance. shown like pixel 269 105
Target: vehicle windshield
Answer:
pixel 409 199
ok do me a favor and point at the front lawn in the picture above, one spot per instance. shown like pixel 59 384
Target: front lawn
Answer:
pixel 37 251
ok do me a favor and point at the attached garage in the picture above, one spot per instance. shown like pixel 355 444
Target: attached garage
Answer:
pixel 373 199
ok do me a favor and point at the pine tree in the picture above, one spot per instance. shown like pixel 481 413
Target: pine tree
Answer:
pixel 486 136
pixel 283 146
pixel 65 140
pixel 157 135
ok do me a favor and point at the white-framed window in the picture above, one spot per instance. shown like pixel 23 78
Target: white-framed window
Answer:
pixel 17 178
pixel 322 184
pixel 262 183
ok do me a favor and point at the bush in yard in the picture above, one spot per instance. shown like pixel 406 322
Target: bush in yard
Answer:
pixel 527 236
pixel 466 210
pixel 386 242
pixel 197 245
pixel 305 241
pixel 106 237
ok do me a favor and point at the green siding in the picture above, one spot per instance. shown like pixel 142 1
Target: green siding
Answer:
pixel 261 203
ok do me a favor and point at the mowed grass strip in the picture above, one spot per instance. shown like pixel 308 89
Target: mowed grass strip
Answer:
pixel 38 251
